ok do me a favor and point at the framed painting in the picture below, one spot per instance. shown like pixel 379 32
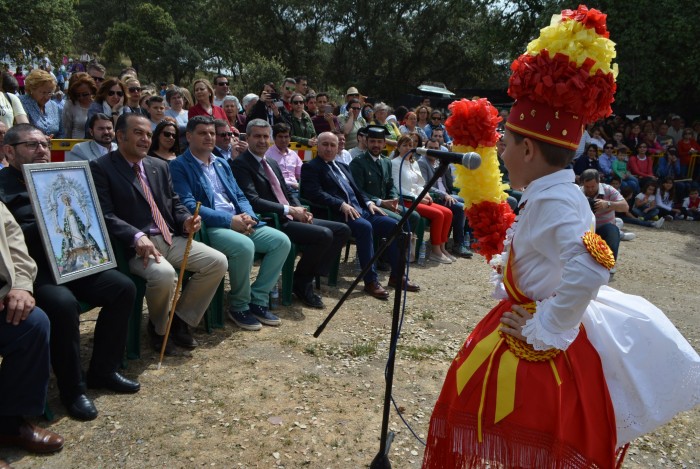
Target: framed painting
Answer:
pixel 70 220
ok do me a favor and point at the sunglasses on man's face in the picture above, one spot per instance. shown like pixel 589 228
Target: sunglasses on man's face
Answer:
pixel 297 102
pixel 223 83
pixel 225 134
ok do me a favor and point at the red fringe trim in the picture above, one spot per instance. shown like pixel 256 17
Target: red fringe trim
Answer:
pixel 502 446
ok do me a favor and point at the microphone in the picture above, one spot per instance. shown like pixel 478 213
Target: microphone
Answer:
pixel 470 160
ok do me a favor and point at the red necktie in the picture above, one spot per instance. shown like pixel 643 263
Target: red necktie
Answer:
pixel 155 213
pixel 274 182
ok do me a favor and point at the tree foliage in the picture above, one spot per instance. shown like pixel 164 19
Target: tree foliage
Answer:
pixel 385 49
pixel 25 31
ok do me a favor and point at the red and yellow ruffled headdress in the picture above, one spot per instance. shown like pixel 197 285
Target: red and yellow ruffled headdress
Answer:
pixel 472 126
pixel 564 80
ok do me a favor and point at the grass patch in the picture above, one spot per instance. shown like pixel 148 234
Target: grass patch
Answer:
pixel 427 315
pixel 418 353
pixel 364 349
pixel 309 378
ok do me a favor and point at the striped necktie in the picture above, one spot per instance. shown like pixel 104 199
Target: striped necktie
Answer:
pixel 155 213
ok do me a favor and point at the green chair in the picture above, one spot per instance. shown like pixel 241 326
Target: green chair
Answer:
pixel 214 317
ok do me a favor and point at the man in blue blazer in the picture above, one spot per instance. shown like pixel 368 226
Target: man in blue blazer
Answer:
pixel 231 224
pixel 327 182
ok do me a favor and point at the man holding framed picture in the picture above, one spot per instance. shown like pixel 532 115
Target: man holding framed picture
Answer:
pixel 110 289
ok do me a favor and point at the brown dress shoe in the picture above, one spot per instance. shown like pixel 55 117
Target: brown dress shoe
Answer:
pixel 407 284
pixel 33 439
pixel 376 290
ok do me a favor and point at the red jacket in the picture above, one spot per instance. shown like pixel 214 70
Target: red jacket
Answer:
pixel 216 112
pixel 641 168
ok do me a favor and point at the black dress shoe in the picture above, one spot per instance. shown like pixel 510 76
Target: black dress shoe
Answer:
pixel 157 341
pixel 81 408
pixel 114 382
pixel 181 335
pixel 307 296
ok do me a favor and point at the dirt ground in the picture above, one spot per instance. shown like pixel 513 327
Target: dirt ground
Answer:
pixel 279 398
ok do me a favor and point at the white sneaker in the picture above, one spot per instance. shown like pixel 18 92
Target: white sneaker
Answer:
pixel 658 223
pixel 690 218
pixel 627 236
pixel 619 223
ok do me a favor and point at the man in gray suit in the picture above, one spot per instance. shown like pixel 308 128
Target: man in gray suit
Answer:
pixel 102 131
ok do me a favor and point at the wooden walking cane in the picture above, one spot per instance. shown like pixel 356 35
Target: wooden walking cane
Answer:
pixel 176 297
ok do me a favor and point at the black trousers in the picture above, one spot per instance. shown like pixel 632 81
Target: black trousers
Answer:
pixel 24 373
pixel 320 242
pixel 112 290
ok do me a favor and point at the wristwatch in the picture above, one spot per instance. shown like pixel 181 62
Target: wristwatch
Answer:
pixel 609 204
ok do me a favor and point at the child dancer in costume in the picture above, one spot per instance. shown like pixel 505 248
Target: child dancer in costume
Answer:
pixel 564 371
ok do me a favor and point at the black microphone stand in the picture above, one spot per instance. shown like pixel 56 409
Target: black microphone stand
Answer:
pixel 381 460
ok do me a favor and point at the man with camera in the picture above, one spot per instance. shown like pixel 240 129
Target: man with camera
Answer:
pixel 605 200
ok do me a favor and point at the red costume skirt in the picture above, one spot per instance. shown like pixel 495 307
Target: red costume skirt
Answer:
pixel 509 406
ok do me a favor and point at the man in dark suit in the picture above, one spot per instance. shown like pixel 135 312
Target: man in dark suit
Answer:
pixel 262 182
pixel 232 226
pixel 142 210
pixel 326 182
pixel 111 289
pixel 441 193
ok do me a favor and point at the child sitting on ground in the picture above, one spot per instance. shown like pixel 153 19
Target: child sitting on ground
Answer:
pixel 666 198
pixel 645 203
pixel 691 205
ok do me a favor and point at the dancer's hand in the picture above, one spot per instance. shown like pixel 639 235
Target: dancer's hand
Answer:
pixel 512 322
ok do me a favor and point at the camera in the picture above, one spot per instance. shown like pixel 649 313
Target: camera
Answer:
pixel 275 96
pixel 591 202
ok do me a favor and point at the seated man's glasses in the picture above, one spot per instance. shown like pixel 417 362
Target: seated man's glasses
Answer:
pixel 33 145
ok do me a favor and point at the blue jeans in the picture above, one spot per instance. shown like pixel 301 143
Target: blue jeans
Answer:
pixel 611 235
pixel 639 212
pixel 363 230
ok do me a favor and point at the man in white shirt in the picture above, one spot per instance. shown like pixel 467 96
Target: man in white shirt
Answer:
pixel 605 200
pixel 102 130
pixel 221 89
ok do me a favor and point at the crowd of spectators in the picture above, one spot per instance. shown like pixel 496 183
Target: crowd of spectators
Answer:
pixel 234 156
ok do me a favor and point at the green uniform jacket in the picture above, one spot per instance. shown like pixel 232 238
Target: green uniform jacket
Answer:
pixel 374 180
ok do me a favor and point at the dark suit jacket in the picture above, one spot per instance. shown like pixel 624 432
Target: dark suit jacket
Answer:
pixel 373 182
pixel 253 181
pixel 427 171
pixel 193 185
pixel 322 188
pixel 124 205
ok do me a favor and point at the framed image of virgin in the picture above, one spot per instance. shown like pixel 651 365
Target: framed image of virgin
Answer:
pixel 70 220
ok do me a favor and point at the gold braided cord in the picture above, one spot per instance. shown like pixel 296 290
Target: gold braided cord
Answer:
pixel 525 351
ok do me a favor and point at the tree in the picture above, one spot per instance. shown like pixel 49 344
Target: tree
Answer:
pixel 25 32
pixel 150 39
